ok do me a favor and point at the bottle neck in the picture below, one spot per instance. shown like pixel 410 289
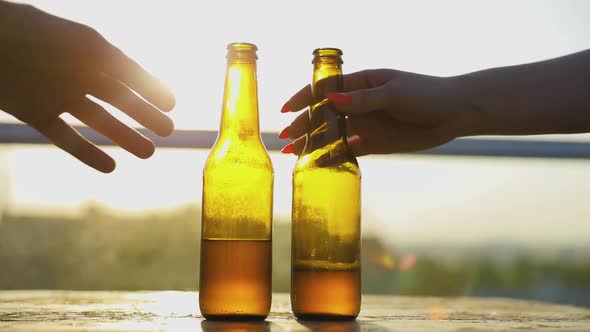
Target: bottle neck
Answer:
pixel 240 100
pixel 327 125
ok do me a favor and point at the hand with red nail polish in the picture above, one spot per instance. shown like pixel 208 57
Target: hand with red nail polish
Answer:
pixel 387 111
pixel 394 111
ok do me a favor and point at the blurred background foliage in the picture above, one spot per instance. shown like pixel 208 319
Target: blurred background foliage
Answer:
pixel 102 250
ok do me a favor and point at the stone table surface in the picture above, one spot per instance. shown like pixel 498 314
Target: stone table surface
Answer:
pixel 178 311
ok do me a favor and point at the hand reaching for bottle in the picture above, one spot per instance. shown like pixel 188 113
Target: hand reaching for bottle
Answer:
pixel 49 65
pixel 392 111
pixel 387 111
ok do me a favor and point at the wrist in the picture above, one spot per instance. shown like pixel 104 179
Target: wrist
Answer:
pixel 469 115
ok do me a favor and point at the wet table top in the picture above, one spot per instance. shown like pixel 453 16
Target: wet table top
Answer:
pixel 178 311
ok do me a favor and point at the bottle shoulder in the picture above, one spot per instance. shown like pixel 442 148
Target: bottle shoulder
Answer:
pixel 319 160
pixel 239 153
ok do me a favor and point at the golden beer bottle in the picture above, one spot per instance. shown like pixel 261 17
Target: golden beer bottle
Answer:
pixel 325 257
pixel 236 250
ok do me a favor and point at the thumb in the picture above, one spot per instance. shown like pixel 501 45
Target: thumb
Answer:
pixel 361 101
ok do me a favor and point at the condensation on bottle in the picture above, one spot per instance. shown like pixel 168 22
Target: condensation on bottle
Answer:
pixel 237 203
pixel 326 207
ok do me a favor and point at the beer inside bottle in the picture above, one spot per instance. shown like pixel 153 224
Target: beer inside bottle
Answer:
pixel 325 257
pixel 236 250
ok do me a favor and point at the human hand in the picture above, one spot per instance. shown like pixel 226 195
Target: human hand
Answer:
pixel 389 111
pixel 49 66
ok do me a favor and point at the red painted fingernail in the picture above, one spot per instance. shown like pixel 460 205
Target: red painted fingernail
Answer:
pixel 288 148
pixel 285 108
pixel 354 139
pixel 284 133
pixel 339 98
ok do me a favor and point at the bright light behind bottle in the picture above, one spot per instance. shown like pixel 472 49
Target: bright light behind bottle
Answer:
pixel 235 78
pixel 183 43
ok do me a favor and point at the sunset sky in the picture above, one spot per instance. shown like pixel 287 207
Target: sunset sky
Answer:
pixel 427 198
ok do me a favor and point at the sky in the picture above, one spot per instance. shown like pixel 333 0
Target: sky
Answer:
pixel 184 44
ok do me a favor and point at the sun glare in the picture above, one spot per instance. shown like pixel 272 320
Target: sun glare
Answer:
pixel 234 79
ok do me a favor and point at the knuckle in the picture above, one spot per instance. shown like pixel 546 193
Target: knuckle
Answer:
pixel 91 42
pixel 90 34
pixel 365 76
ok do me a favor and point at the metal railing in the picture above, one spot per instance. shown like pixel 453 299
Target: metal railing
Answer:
pixel 15 133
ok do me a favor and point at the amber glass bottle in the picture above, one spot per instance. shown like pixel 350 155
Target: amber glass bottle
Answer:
pixel 236 250
pixel 325 258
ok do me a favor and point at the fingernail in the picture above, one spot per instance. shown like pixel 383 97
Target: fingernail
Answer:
pixel 339 98
pixel 284 133
pixel 354 139
pixel 288 148
pixel 285 108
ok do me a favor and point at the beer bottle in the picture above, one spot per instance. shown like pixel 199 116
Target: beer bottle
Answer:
pixel 236 250
pixel 325 257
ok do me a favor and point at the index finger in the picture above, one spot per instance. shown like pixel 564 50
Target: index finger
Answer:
pixel 366 79
pixel 299 100
pixel 120 67
pixel 118 95
pixel 359 80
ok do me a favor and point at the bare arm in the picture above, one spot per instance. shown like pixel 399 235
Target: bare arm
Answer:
pixel 547 97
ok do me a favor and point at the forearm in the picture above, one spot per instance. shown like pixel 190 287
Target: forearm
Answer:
pixel 547 97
